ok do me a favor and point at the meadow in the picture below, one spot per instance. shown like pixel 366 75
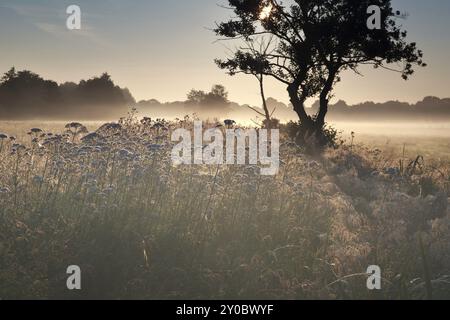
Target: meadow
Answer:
pixel 109 200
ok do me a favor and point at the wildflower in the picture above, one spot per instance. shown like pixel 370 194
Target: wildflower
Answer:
pixel 59 164
pixel 109 190
pixel 92 189
pixel 392 171
pixel 36 130
pixel 18 147
pixel 38 179
pixel 84 151
pixel 375 173
pixel 154 147
pixel 73 125
pixel 312 165
pixel 146 121
pixel 158 126
pixel 90 137
pixel 229 123
pixel 4 190
pixel 109 127
pixel 124 153
pixel 2 137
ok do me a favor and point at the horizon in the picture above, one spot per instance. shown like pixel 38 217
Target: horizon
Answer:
pixel 242 103
pixel 169 42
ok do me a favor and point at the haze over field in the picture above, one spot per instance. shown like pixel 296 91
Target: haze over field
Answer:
pixel 25 95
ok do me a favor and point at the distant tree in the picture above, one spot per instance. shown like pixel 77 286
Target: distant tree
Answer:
pixel 127 96
pixel 217 97
pixel 214 101
pixel 195 97
pixel 315 41
pixel 149 103
pixel 429 109
pixel 24 94
pixel 10 75
pixel 102 93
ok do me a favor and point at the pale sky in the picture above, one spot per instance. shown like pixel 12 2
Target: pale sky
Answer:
pixel 163 48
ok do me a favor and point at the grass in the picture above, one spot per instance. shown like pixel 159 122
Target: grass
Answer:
pixel 140 228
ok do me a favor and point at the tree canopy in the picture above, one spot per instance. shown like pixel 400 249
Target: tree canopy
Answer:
pixel 214 101
pixel 25 95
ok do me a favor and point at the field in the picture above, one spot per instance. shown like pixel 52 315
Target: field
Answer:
pixel 430 140
pixel 140 228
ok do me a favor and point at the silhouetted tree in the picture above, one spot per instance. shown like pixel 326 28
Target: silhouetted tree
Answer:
pixel 196 97
pixel 214 101
pixel 25 94
pixel 316 41
pixel 10 75
pixel 252 62
pixel 218 96
pixel 429 109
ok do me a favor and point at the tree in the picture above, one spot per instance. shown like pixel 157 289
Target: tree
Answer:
pixel 215 100
pixel 315 41
pixel 10 75
pixel 195 97
pixel 217 97
pixel 252 62
pixel 26 95
pixel 104 94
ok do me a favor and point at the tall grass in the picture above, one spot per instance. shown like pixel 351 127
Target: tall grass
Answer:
pixel 139 228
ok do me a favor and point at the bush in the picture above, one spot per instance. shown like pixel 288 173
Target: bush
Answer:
pixel 327 137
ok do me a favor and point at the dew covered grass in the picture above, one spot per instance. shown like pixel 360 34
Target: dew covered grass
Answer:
pixel 110 201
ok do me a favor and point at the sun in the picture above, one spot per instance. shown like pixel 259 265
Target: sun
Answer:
pixel 265 12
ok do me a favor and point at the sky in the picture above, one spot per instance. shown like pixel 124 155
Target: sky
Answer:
pixel 161 49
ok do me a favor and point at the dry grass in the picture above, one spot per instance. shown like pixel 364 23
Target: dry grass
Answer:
pixel 140 228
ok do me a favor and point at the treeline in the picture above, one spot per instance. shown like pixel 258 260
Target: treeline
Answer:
pixel 26 95
pixel 429 109
pixel 213 104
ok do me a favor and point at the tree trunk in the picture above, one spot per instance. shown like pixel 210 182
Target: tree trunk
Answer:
pixel 323 110
pixel 299 106
pixel 263 96
pixel 311 131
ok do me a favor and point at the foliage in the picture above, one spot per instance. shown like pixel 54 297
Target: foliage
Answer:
pixel 217 98
pixel 314 41
pixel 329 136
pixel 26 95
